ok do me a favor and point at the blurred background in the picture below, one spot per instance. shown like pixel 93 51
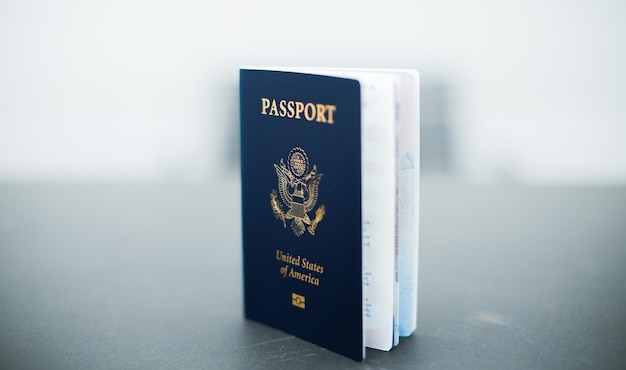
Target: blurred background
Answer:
pixel 526 92
pixel 120 240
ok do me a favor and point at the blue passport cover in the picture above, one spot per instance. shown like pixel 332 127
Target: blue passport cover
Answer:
pixel 301 206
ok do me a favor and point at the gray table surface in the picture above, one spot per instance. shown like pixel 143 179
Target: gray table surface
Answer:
pixel 149 276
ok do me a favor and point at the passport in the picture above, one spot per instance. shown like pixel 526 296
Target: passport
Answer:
pixel 330 195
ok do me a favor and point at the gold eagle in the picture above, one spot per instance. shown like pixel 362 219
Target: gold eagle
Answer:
pixel 299 194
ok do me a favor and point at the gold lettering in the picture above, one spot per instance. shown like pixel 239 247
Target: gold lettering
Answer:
pixel 331 109
pixel 321 110
pixel 290 109
pixel 273 108
pixel 307 264
pixel 309 107
pixel 286 257
pixel 307 278
pixel 311 269
pixel 323 113
pixel 265 103
pixel 299 109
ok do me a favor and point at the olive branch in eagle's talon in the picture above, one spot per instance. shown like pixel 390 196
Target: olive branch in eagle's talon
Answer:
pixel 319 215
pixel 277 207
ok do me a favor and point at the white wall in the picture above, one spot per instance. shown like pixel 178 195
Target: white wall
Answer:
pixel 147 90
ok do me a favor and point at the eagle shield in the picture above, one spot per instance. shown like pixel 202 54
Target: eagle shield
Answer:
pixel 298 189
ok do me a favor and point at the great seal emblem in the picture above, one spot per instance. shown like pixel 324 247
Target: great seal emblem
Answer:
pixel 298 189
